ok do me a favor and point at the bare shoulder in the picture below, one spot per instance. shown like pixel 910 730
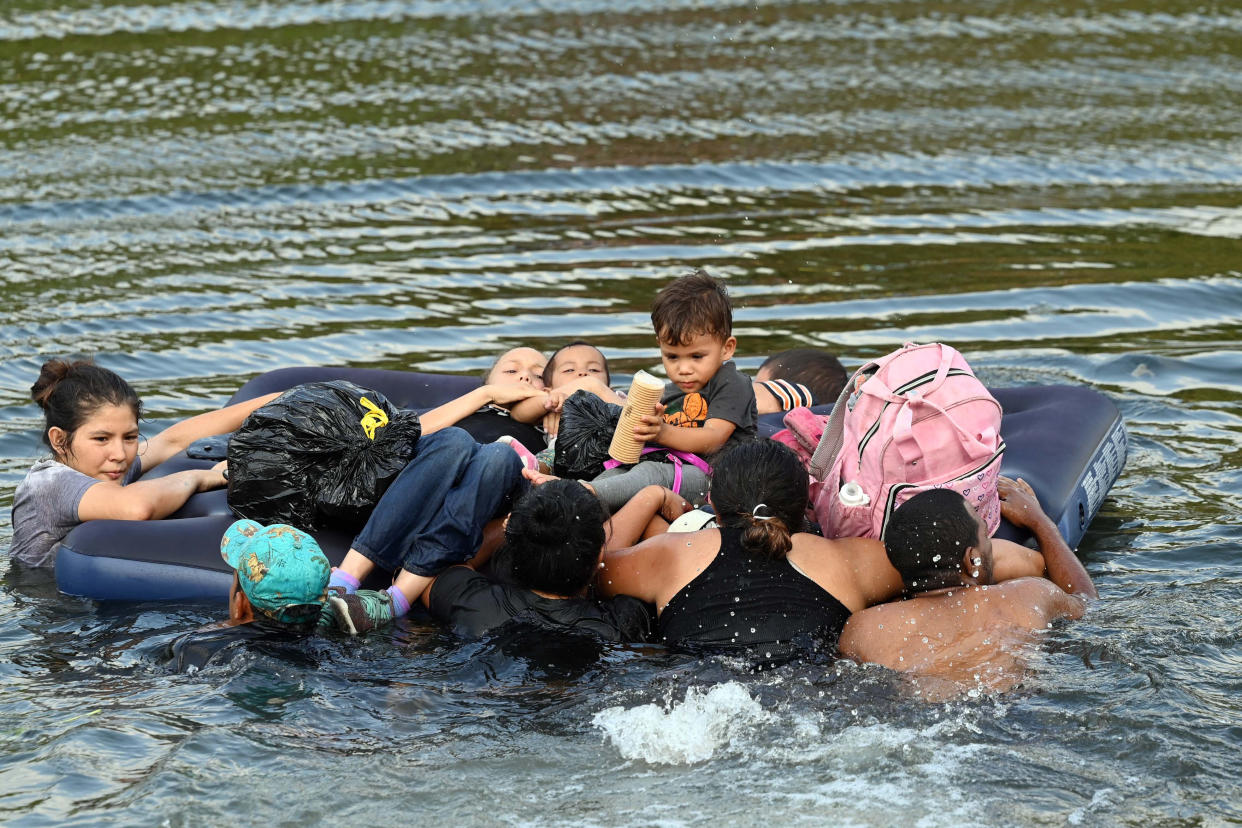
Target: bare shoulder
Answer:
pixel 872 618
pixel 863 637
pixel 655 569
pixel 817 552
pixel 827 563
pixel 1012 560
pixel 1033 602
pixel 855 570
pixel 652 551
pixel 686 551
pixel 683 557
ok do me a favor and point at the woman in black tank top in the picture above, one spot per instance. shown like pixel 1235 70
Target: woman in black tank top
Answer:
pixel 748 600
pixel 750 596
pixel 757 585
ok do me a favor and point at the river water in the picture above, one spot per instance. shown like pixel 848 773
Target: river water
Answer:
pixel 196 192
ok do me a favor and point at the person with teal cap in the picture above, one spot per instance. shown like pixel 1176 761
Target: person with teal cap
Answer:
pixel 280 583
pixel 279 572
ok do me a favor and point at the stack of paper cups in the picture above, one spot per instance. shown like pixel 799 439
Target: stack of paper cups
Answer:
pixel 645 392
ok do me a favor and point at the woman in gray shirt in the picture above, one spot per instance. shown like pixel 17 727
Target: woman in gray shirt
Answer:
pixel 91 425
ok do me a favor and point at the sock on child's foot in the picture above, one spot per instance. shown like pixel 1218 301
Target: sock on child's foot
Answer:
pixel 529 460
pixel 400 606
pixel 340 578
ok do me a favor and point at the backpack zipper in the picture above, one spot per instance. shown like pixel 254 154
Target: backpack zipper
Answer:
pixel 902 391
pixel 901 487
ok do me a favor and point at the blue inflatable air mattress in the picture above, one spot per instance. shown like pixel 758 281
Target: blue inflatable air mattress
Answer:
pixel 1068 442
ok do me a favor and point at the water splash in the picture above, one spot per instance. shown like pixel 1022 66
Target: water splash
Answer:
pixel 686 732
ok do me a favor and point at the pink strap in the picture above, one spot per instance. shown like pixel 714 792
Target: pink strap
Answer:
pixel 946 362
pixel 677 457
pixel 876 388
pixel 903 429
pixel 693 459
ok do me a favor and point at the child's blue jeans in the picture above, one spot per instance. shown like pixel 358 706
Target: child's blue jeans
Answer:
pixel 433 514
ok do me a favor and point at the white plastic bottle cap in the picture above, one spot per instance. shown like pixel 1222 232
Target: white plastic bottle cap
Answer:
pixel 852 494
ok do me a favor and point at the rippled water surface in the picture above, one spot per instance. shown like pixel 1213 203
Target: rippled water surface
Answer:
pixel 197 192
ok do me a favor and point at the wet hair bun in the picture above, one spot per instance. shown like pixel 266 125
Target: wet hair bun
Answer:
pixel 768 536
pixel 50 376
pixel 760 487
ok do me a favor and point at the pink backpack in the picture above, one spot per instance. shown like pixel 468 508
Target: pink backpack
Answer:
pixel 914 420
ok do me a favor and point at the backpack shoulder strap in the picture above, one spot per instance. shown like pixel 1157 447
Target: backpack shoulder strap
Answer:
pixel 834 430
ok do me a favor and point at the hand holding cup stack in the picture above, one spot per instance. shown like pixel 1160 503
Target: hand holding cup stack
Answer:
pixel 645 392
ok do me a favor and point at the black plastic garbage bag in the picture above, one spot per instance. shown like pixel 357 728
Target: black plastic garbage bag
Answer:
pixel 587 424
pixel 319 455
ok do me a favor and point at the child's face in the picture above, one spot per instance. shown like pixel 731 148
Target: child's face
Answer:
pixel 693 364
pixel 578 361
pixel 519 365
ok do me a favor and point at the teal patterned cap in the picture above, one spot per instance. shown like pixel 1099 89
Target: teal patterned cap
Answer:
pixel 281 569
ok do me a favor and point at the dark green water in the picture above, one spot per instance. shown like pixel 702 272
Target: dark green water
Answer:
pixel 201 191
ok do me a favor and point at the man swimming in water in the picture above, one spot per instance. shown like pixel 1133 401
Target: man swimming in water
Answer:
pixel 280 582
pixel 958 629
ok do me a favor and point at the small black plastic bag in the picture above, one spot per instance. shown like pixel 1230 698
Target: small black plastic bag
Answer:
pixel 319 455
pixel 587 424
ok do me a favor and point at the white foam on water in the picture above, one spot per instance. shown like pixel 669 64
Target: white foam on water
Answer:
pixel 898 773
pixel 686 732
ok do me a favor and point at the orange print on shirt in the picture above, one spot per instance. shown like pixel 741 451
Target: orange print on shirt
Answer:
pixel 693 413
